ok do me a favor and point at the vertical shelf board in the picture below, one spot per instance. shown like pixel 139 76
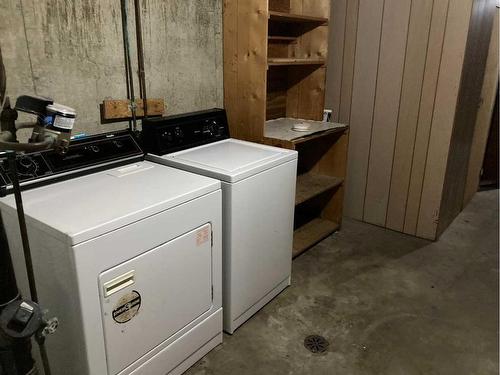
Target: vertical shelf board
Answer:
pixel 245 65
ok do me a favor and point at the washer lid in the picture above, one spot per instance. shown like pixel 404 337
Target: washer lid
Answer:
pixel 229 160
pixel 83 208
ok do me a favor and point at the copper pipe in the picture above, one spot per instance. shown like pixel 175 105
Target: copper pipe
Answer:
pixel 140 56
pixel 128 64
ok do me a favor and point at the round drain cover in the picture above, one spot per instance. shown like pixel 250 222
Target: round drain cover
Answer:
pixel 316 344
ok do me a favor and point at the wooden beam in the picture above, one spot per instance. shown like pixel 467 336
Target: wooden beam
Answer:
pixel 121 109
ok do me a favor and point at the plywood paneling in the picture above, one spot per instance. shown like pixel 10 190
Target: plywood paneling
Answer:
pixel 416 54
pixel 426 110
pixel 349 60
pixel 483 121
pixel 469 96
pixel 409 96
pixel 363 99
pixel 336 57
pixel 443 117
pixel 386 111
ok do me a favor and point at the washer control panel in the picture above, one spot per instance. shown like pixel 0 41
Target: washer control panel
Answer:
pixel 163 135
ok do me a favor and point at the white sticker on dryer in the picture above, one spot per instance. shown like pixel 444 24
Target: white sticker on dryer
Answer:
pixel 202 236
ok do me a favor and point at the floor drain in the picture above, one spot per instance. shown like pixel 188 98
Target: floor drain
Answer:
pixel 316 344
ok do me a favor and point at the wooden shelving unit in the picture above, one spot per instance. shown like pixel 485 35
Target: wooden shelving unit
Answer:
pixel 321 173
pixel 275 76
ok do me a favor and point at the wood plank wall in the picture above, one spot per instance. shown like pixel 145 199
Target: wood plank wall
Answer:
pixel 483 120
pixel 469 97
pixel 398 69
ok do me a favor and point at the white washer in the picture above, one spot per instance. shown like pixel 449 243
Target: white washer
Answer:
pixel 129 259
pixel 258 185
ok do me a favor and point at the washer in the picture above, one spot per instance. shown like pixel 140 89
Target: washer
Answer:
pixel 258 185
pixel 127 254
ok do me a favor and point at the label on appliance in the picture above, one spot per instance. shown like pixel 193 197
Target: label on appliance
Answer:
pixel 127 307
pixel 202 236
pixel 64 122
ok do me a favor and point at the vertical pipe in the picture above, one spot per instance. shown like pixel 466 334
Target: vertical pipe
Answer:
pixel 26 249
pixel 140 56
pixel 128 64
pixel 22 226
pixel 8 291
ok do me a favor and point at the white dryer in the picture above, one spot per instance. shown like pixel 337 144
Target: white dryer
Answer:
pixel 258 185
pixel 128 258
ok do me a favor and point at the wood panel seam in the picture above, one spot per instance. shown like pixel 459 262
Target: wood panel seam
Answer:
pixel 432 116
pixel 354 60
pixel 373 109
pixel 399 112
pixel 342 60
pixel 418 114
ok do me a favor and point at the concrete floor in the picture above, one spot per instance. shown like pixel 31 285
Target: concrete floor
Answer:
pixel 389 304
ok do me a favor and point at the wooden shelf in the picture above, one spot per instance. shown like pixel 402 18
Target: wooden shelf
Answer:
pixel 279 131
pixel 294 61
pixel 282 38
pixel 310 185
pixel 296 18
pixel 311 233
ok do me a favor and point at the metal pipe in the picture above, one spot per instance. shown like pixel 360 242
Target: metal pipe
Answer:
pixel 26 249
pixel 22 227
pixel 9 291
pixel 127 76
pixel 140 56
pixel 45 358
pixel 6 144
pixel 3 81
pixel 128 64
pixel 25 125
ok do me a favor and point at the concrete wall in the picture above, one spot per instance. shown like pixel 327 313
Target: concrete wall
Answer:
pixel 72 51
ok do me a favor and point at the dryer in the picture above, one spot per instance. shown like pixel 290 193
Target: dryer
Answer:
pixel 258 185
pixel 126 253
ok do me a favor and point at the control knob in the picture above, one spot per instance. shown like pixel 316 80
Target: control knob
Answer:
pixel 168 136
pixel 179 134
pixel 118 144
pixel 26 166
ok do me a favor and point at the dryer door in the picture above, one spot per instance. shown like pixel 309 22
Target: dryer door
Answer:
pixel 149 298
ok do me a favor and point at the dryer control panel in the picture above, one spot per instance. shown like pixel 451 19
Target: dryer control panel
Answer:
pixel 84 156
pixel 164 135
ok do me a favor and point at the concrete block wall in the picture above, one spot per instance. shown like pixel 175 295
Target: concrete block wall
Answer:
pixel 72 51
